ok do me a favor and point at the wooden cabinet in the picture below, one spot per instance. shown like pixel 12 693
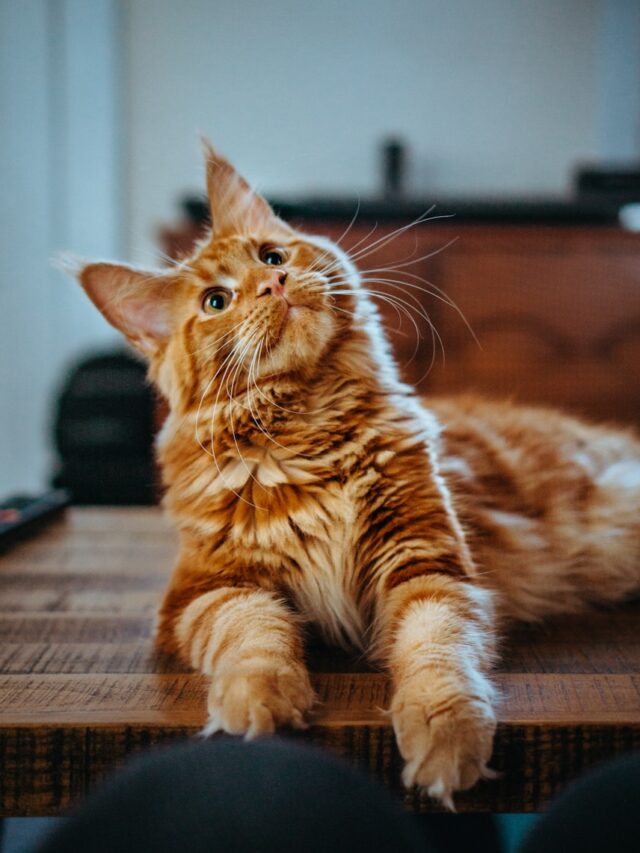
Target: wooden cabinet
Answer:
pixel 542 314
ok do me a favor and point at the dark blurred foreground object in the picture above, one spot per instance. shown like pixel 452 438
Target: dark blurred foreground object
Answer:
pixel 278 796
pixel 104 432
pixel 231 796
pixel 600 812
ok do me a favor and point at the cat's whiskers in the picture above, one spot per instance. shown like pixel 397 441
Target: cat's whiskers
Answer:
pixel 227 365
pixel 362 240
pixel 431 290
pixel 231 395
pixel 410 260
pixel 344 311
pixel 399 305
pixel 252 382
pixel 237 358
pixel 391 299
pixel 399 285
pixel 348 284
pixel 336 263
pixel 276 405
pixel 214 345
pixel 255 413
pixel 313 265
pixel 422 311
pixel 262 427
pixel 284 409
pixel 203 396
pixel 382 241
pixel 233 330
pixel 415 302
pixel 386 239
pixel 176 263
pixel 224 366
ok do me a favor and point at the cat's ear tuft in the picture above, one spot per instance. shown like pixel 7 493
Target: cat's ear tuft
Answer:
pixel 68 263
pixel 234 206
pixel 135 302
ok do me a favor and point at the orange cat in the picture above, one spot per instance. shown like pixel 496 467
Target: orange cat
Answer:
pixel 310 485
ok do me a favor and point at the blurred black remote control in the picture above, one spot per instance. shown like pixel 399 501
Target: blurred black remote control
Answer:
pixel 21 515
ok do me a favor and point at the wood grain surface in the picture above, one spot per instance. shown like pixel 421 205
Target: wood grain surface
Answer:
pixel 81 687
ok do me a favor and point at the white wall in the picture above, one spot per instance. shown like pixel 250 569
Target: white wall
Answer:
pixel 25 331
pixel 493 96
pixel 59 179
pixel 619 80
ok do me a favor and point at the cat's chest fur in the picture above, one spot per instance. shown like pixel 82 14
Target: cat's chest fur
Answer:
pixel 293 514
pixel 307 527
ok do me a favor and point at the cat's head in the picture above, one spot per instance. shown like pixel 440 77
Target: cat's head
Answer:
pixel 257 298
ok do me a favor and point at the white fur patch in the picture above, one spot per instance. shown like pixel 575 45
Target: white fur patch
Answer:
pixel 624 474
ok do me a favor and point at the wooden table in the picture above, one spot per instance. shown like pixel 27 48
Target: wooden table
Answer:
pixel 81 687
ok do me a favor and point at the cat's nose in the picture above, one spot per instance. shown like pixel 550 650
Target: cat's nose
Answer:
pixel 272 284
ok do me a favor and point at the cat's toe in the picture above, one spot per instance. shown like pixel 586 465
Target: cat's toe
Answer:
pixel 445 751
pixel 254 701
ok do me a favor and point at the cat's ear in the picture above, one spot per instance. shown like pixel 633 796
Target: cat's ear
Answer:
pixel 135 302
pixel 234 206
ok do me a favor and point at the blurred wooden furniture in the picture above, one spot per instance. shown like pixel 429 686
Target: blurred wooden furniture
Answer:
pixel 555 310
pixel 81 687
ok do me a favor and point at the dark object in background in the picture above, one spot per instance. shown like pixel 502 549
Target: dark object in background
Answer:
pixel 177 241
pixel 104 432
pixel 24 515
pixel 394 163
pixel 196 210
pixel 609 182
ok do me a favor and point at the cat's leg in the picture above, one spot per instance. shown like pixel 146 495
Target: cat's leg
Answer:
pixel 249 642
pixel 438 642
pixel 434 627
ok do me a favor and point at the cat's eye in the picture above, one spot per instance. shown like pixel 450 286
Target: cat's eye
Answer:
pixel 274 257
pixel 216 300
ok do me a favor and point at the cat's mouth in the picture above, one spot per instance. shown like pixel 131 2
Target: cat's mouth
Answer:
pixel 292 309
pixel 291 319
pixel 290 322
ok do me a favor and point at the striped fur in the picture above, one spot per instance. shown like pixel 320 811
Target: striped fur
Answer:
pixel 309 485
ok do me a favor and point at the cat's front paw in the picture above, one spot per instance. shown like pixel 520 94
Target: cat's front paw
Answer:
pixel 446 745
pixel 254 699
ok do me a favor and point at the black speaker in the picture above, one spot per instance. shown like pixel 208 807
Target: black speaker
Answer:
pixel 104 432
